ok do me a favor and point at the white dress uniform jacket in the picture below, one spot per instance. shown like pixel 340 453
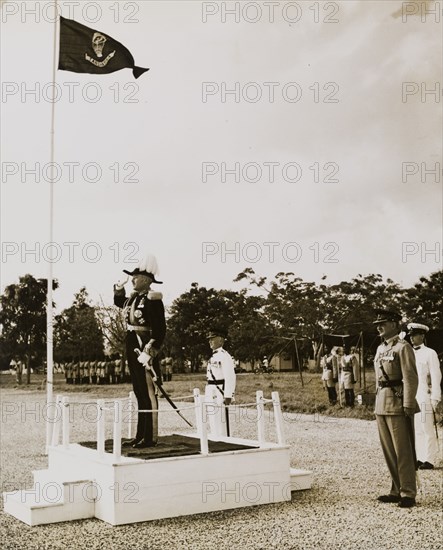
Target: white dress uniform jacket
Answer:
pixel 429 379
pixel 220 369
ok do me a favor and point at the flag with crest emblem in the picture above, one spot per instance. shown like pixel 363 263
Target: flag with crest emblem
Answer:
pixel 85 50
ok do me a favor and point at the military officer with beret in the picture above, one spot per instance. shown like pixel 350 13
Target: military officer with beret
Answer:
pixel 146 329
pixel 221 380
pixel 395 406
pixel 428 397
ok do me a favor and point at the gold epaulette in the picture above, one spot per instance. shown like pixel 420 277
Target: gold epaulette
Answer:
pixel 155 295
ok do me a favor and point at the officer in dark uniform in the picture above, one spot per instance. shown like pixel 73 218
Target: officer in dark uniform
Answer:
pixel 146 329
pixel 395 406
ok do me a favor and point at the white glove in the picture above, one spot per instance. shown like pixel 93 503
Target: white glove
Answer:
pixel 121 283
pixel 144 358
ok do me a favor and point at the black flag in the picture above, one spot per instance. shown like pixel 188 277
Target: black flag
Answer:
pixel 84 50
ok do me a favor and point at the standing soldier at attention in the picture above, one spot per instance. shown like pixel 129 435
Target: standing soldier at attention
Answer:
pixel 93 371
pixel 395 406
pixel 146 329
pixel 428 397
pixel 356 363
pixel 221 381
pixel 347 378
pixel 330 375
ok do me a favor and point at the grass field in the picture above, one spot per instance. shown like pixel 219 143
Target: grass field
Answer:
pixel 310 398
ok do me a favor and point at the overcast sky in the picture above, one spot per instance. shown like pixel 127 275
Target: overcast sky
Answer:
pixel 333 114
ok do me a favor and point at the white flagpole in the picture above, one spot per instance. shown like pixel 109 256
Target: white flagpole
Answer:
pixel 49 310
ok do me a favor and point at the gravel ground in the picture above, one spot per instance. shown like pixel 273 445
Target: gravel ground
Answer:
pixel 339 512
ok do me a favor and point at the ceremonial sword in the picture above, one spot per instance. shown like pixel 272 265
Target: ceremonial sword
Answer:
pixel 149 368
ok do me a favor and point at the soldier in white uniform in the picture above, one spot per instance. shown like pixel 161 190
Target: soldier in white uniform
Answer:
pixel 428 397
pixel 220 384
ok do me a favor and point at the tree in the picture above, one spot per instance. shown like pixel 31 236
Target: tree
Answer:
pixel 293 310
pixel 23 320
pixel 191 317
pixel 252 336
pixel 112 324
pixel 425 301
pixel 77 332
pixel 304 311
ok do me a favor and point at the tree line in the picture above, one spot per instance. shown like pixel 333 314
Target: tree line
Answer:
pixel 282 315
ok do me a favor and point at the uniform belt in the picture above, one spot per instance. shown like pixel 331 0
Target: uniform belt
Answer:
pixel 216 382
pixel 133 328
pixel 389 383
pixel 347 369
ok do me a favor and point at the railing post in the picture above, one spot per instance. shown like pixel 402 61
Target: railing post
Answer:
pixel 278 418
pixel 117 444
pixel 58 421
pixel 198 411
pixel 101 427
pixel 204 446
pixel 131 416
pixel 65 420
pixel 260 418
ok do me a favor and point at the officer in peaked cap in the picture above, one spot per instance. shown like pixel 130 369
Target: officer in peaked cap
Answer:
pixel 221 381
pixel 395 406
pixel 146 329
pixel 428 396
pixel 384 316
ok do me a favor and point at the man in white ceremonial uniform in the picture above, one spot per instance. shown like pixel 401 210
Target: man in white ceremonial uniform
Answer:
pixel 220 387
pixel 428 397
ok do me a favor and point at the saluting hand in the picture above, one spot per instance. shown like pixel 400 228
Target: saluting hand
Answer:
pixel 121 283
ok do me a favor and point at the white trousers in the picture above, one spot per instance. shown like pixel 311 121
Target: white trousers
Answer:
pixel 215 411
pixel 426 442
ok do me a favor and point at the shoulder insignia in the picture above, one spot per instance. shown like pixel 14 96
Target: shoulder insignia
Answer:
pixel 155 295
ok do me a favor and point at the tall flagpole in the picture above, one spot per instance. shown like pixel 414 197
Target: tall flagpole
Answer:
pixel 49 310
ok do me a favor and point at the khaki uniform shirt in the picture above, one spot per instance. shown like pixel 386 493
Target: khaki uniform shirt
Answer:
pixel 397 358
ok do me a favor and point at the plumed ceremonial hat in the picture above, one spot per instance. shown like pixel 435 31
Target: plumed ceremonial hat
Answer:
pixel 384 316
pixel 417 328
pixel 148 267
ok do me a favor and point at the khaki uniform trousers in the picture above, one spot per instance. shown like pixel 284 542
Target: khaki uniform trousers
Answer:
pixel 394 431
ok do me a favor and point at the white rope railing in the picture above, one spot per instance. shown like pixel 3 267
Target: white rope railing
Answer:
pixel 201 407
pixel 166 410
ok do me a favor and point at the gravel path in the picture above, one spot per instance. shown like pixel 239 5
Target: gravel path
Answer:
pixel 339 512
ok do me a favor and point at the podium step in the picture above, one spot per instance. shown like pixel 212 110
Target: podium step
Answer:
pixel 51 501
pixel 300 479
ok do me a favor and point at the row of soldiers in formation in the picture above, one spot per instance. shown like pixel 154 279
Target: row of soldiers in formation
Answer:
pixel 110 371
